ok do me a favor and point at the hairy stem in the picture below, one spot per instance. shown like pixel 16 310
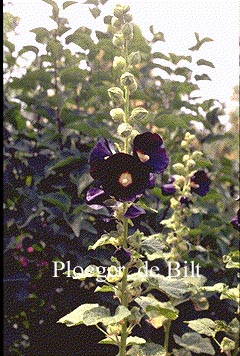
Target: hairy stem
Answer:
pixel 167 334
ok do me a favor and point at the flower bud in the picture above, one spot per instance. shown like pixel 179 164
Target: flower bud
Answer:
pixel 134 58
pixel 138 114
pixel 188 137
pixel 127 17
pixel 186 158
pixel 184 144
pixel 191 163
pixel 179 180
pixel 127 79
pixel 118 40
pixel 119 63
pixel 116 94
pixel 197 154
pixel 133 87
pixel 118 11
pixel 118 114
pixel 127 31
pixel 115 22
pixel 174 203
pixel 179 168
pixel 114 329
pixel 124 130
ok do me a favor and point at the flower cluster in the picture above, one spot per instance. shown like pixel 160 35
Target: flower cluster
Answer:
pixel 122 176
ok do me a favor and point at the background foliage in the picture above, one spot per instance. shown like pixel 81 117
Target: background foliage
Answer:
pixel 53 114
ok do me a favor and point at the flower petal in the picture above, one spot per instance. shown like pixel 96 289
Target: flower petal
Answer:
pixel 149 148
pixel 200 183
pixel 134 211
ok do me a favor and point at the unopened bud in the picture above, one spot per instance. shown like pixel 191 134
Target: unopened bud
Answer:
pixel 127 31
pixel 127 17
pixel 119 63
pixel 118 114
pixel 179 168
pixel 184 144
pixel 124 130
pixel 115 22
pixel 134 58
pixel 116 94
pixel 174 203
pixel 188 137
pixel 191 163
pixel 179 180
pixel 133 87
pixel 118 11
pixel 138 114
pixel 186 158
pixel 127 79
pixel 118 40
pixel 197 154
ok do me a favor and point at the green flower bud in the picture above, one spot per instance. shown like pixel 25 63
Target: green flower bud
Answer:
pixel 138 114
pixel 184 144
pixel 127 31
pixel 116 94
pixel 114 329
pixel 118 40
pixel 191 163
pixel 128 17
pixel 118 114
pixel 115 22
pixel 186 158
pixel 127 79
pixel 119 63
pixel 118 11
pixel 133 87
pixel 179 168
pixel 124 130
pixel 174 203
pixel 188 137
pixel 134 58
pixel 197 154
pixel 179 180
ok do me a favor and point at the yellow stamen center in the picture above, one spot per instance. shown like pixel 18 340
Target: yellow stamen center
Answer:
pixel 125 179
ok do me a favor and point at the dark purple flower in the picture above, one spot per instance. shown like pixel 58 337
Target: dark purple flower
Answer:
pixel 134 211
pixel 101 151
pixel 185 201
pixel 95 198
pixel 200 183
pixel 121 175
pixel 149 148
pixel 169 188
pixel 236 221
pixel 122 255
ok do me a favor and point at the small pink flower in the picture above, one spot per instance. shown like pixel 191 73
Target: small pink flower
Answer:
pixel 23 261
pixel 42 264
pixel 30 249
pixel 18 246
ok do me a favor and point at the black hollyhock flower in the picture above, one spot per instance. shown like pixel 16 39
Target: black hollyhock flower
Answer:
pixel 149 148
pixel 200 183
pixel 122 255
pixel 169 188
pixel 121 175
pixel 236 221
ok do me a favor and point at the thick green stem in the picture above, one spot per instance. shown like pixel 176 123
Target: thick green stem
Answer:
pixel 167 334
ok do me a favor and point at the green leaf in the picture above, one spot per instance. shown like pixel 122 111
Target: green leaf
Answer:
pixel 104 289
pixel 232 294
pixel 203 62
pixel 232 260
pixel 95 315
pixel 59 199
pixel 76 316
pixel 160 55
pixel 135 340
pixel 64 162
pixel 91 2
pixel 27 49
pixel 227 345
pixel 55 9
pixel 203 326
pixel 173 287
pixel 68 3
pixel 159 36
pixel 199 42
pixel 202 77
pixel 107 341
pixel 153 247
pixel 195 343
pixel 175 59
pixel 148 349
pixel 95 12
pixel 164 309
pixel 106 239
pixel 81 37
pixel 42 34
